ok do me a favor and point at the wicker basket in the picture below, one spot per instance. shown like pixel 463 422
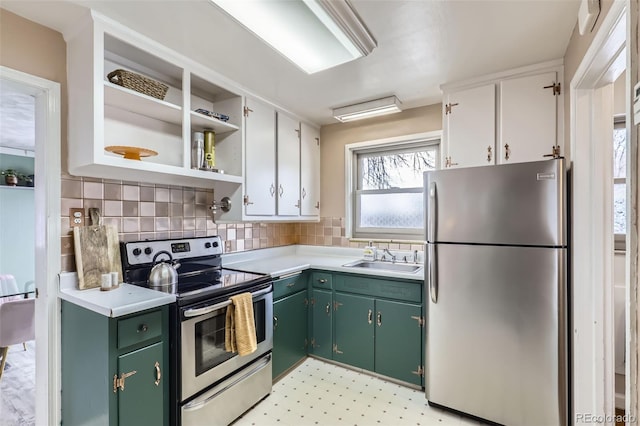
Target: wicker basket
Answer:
pixel 133 81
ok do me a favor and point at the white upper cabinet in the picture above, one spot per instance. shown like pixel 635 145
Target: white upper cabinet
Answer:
pixel 470 117
pixel 528 111
pixel 510 117
pixel 260 159
pixel 109 119
pixel 309 171
pixel 288 165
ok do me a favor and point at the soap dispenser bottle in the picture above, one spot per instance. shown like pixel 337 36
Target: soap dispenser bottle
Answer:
pixel 370 252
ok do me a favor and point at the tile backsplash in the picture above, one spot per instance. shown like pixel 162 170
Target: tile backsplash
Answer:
pixel 146 211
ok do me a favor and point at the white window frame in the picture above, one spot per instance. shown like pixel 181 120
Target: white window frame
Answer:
pixel 351 169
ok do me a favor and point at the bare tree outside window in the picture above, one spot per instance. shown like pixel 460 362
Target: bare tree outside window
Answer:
pixel 619 182
pixel 403 170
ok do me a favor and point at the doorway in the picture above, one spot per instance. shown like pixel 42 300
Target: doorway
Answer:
pixel 592 126
pixel 46 226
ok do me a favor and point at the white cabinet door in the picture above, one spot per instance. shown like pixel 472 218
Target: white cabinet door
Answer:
pixel 309 171
pixel 260 159
pixel 528 116
pixel 288 166
pixel 471 127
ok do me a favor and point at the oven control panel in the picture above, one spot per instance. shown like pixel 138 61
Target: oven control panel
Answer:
pixel 143 252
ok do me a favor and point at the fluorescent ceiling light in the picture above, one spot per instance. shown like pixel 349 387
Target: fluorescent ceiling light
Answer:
pixel 313 34
pixel 368 109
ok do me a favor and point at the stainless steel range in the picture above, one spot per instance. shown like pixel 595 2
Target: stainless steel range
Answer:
pixel 208 384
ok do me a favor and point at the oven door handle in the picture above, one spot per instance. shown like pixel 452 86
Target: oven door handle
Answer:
pixel 190 313
pixel 206 398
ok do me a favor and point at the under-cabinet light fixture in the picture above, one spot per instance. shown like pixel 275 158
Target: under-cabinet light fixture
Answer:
pixel 388 105
pixel 313 34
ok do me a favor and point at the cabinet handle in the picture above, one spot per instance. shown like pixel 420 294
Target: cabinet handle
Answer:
pixel 297 204
pixel 143 328
pixel 119 382
pixel 507 151
pixel 322 281
pixel 304 193
pixel 328 309
pixel 245 200
pixel 370 316
pixel 158 373
pixel 489 156
pixel 336 350
pixel 379 319
pixel 275 322
pixel 272 189
pixel 281 190
pixel 317 204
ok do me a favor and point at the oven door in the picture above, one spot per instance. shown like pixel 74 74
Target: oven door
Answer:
pixel 204 359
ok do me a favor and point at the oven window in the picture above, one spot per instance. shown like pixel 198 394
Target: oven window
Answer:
pixel 209 338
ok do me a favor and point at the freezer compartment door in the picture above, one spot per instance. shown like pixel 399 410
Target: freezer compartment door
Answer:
pixel 496 335
pixel 515 204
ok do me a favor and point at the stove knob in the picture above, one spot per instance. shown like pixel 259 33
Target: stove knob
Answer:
pixel 136 251
pixel 148 250
pixel 207 245
pixel 215 244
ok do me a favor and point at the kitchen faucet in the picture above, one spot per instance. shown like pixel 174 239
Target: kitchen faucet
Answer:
pixel 392 256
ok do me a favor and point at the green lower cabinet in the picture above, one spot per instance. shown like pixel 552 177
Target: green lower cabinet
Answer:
pixel 140 400
pixel 289 332
pixel 114 371
pixel 354 330
pixel 398 342
pixel 321 323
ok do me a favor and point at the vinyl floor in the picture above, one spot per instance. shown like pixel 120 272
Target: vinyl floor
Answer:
pixel 319 393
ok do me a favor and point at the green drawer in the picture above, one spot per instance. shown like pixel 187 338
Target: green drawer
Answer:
pixel 322 280
pixel 409 291
pixel 139 329
pixel 289 285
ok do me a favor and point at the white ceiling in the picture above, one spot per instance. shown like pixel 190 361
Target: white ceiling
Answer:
pixel 421 45
pixel 17 118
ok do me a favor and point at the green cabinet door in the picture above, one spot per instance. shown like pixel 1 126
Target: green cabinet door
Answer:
pixel 289 332
pixel 140 400
pixel 321 325
pixel 354 330
pixel 398 346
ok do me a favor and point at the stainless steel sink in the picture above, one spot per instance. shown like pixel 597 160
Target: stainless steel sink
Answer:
pixel 385 266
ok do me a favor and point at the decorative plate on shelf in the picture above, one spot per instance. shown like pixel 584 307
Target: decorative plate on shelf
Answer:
pixel 131 152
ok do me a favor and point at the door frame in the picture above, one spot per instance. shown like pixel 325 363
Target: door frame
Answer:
pixel 47 238
pixel 591 121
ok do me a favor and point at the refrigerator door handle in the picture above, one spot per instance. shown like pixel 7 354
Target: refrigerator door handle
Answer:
pixel 432 275
pixel 433 220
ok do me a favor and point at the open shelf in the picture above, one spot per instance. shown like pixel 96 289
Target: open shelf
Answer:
pixel 139 103
pixel 218 126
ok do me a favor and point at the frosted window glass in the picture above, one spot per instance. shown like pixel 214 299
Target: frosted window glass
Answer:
pixel 402 210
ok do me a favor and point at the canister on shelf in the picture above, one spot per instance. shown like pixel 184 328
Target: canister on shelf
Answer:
pixel 197 150
pixel 209 149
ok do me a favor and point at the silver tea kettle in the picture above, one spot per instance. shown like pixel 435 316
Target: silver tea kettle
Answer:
pixel 163 275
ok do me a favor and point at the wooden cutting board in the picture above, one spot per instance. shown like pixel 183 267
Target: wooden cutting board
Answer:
pixel 97 252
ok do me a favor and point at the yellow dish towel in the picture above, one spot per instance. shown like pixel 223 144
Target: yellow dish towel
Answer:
pixel 240 328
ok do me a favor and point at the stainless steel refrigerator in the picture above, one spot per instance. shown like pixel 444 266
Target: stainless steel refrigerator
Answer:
pixel 496 286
